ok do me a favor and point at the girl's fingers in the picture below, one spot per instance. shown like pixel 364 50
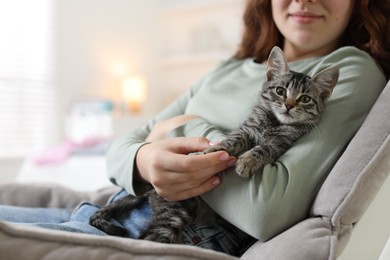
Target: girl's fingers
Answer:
pixel 176 175
pixel 206 186
pixel 197 168
pixel 187 145
pixel 184 185
pixel 193 163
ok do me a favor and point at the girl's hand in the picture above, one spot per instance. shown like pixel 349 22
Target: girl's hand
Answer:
pixel 174 174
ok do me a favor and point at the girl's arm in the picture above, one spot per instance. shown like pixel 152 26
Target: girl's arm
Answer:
pixel 145 157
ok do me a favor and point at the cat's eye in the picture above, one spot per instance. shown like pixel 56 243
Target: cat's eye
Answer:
pixel 304 99
pixel 280 91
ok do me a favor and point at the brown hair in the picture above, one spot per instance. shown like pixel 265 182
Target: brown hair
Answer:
pixel 368 30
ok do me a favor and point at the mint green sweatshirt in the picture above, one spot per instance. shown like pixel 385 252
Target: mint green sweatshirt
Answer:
pixel 282 193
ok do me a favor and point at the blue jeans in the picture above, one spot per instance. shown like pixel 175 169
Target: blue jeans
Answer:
pixel 227 239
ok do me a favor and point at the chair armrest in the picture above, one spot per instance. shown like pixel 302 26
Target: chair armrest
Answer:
pixel 50 195
pixel 308 239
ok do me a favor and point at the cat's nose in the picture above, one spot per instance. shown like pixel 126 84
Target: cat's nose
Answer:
pixel 289 104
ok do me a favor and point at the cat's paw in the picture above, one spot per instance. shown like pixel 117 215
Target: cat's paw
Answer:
pixel 247 165
pixel 214 148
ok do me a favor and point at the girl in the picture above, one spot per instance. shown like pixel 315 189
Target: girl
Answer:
pixel 313 35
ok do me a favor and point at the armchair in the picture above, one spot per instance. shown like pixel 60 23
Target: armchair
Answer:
pixel 341 202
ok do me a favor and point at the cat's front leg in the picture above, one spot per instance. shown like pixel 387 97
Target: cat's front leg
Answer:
pixel 233 145
pixel 216 148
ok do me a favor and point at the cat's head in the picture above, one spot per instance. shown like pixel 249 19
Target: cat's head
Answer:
pixel 295 97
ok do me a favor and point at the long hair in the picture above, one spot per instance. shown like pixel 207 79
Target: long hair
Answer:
pixel 368 30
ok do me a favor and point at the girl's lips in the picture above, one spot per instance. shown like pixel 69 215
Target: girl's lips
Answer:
pixel 305 17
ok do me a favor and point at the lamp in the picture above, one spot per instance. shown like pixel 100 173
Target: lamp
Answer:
pixel 134 93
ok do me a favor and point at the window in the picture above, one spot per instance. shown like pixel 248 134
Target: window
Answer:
pixel 27 89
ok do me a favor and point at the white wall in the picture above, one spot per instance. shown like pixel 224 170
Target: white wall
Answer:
pixel 156 38
pixel 94 37
pixel 372 231
pixel 197 36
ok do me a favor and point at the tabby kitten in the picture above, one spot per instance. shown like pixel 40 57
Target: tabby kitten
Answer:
pixel 289 106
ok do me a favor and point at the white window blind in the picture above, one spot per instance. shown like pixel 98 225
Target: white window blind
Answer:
pixel 27 93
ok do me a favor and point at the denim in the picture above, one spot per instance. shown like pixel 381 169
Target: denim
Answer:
pixel 223 238
pixel 33 215
pixel 76 220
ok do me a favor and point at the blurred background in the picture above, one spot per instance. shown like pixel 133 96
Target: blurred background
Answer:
pixel 76 73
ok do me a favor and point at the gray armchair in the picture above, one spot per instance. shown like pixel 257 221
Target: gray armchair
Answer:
pixel 346 194
pixel 341 202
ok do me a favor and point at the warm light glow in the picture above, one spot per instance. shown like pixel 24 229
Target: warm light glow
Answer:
pixel 134 92
pixel 118 69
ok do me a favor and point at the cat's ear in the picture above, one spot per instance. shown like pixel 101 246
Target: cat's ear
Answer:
pixel 326 80
pixel 277 64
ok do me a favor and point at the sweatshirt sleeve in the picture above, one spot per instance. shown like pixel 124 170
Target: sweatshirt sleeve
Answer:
pixel 122 151
pixel 281 194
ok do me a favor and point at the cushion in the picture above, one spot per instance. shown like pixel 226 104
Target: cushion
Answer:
pixel 50 195
pixel 40 243
pixel 18 242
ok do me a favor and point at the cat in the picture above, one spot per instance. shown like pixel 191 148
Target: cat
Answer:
pixel 288 107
